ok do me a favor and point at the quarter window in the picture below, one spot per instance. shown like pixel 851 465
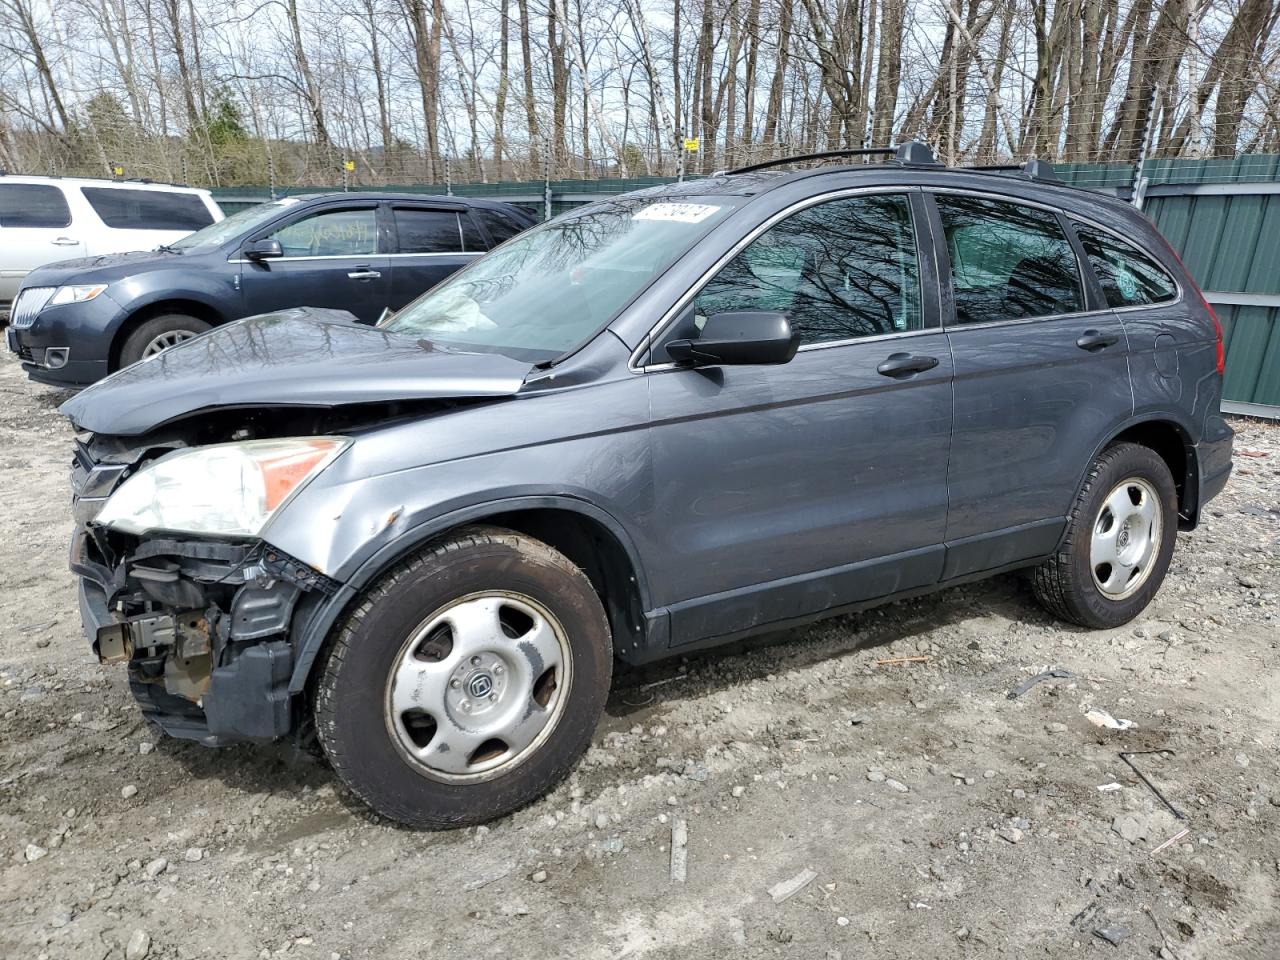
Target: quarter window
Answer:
pixel 501 227
pixel 33 205
pixel 839 270
pixel 428 231
pixel 1128 278
pixel 331 233
pixel 125 209
pixel 1008 262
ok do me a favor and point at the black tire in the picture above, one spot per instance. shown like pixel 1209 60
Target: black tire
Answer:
pixel 135 345
pixel 1065 583
pixel 351 691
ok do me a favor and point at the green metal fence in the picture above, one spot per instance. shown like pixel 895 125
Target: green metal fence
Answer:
pixel 1221 215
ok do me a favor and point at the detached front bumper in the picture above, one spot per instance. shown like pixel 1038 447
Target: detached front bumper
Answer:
pixel 205 629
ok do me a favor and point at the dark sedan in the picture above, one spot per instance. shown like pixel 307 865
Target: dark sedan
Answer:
pixel 75 322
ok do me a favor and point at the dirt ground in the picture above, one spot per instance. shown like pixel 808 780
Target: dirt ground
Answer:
pixel 938 817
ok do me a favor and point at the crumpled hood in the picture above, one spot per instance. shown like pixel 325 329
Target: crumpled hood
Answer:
pixel 305 357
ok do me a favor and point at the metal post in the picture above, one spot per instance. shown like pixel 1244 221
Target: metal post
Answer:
pixel 680 152
pixel 346 180
pixel 546 181
pixel 448 175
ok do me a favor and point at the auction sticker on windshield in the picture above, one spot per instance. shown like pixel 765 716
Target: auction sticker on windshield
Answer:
pixel 678 212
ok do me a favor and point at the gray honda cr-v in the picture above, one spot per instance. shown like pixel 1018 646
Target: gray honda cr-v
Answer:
pixel 654 424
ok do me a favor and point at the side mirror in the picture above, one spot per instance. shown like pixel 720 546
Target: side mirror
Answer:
pixel 739 337
pixel 262 250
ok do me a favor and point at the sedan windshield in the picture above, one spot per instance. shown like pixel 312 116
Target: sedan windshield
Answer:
pixel 546 291
pixel 243 221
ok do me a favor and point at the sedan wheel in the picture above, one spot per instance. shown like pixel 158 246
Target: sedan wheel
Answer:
pixel 166 340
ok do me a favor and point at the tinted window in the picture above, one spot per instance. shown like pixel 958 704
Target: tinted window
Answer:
pixel 33 205
pixel 472 239
pixel 1008 262
pixel 147 209
pixel 839 270
pixel 501 227
pixel 428 231
pixel 1128 278
pixel 331 233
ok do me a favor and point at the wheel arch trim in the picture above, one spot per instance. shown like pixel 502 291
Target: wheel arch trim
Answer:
pixel 309 636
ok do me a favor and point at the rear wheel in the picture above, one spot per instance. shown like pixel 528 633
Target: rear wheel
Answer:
pixel 1119 541
pixel 467 682
pixel 158 334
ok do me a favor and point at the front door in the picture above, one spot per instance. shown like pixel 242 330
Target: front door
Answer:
pixel 1041 372
pixel 783 491
pixel 331 259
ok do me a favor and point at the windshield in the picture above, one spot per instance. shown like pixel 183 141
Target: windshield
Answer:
pixel 216 234
pixel 544 292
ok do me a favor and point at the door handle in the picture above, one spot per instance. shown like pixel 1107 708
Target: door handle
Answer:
pixel 364 274
pixel 901 365
pixel 1093 340
pixel 65 242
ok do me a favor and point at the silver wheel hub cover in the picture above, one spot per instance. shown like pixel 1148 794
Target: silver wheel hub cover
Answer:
pixel 478 686
pixel 1126 538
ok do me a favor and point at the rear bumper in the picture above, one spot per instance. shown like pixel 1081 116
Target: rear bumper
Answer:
pixel 1213 461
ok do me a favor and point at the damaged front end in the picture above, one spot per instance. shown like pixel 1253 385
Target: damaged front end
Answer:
pixel 203 624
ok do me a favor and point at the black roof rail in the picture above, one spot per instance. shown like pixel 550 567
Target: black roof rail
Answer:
pixel 1040 170
pixel 913 152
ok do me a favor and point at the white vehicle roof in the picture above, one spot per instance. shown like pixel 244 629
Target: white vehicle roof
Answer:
pixel 103 182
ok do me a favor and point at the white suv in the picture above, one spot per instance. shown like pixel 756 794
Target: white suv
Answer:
pixel 46 219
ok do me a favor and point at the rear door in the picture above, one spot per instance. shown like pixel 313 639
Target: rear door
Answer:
pixel 1041 373
pixel 783 491
pixel 141 219
pixel 331 259
pixel 35 228
pixel 431 243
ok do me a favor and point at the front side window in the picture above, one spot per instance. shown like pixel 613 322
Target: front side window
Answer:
pixel 33 205
pixel 125 209
pixel 428 231
pixel 501 226
pixel 840 270
pixel 554 286
pixel 1008 262
pixel 1128 278
pixel 331 233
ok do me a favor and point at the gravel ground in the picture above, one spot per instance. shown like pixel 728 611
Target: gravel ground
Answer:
pixel 930 815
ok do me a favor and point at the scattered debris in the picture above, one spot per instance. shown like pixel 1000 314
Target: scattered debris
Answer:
pixel 538 876
pixel 1111 787
pixel 128 791
pixel 1143 777
pixel 1114 934
pixel 1058 673
pixel 679 850
pixel 889 660
pixel 789 888
pixel 156 867
pixel 493 876
pixel 1172 840
pixel 34 852
pixel 1251 452
pixel 1100 718
pixel 139 945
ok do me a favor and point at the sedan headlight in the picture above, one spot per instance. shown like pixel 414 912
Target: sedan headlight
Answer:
pixel 231 489
pixel 76 293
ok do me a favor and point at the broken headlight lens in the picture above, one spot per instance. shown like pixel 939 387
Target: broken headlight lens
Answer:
pixel 227 488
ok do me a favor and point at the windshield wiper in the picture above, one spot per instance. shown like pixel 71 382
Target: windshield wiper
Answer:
pixel 165 248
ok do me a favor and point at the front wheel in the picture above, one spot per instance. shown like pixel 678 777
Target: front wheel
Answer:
pixel 467 681
pixel 159 334
pixel 1119 541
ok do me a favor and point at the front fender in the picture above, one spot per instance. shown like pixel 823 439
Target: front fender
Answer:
pixel 314 625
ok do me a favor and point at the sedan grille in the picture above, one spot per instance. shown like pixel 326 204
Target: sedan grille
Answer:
pixel 28 305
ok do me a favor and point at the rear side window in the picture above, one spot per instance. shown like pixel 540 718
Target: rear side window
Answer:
pixel 33 205
pixel 501 226
pixel 428 231
pixel 126 209
pixel 839 270
pixel 1008 262
pixel 1128 278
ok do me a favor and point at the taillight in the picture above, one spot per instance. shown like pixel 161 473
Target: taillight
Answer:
pixel 1217 333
